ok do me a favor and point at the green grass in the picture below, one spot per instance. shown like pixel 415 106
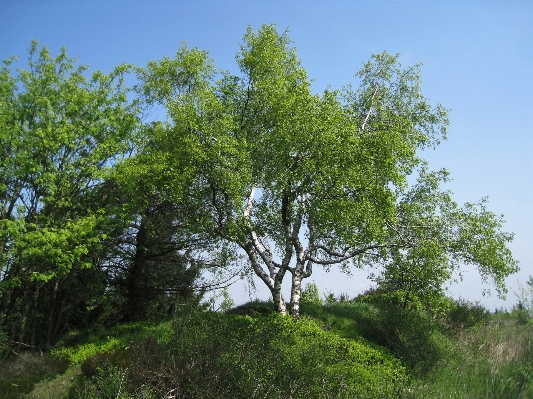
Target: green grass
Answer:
pixel 19 375
pixel 492 360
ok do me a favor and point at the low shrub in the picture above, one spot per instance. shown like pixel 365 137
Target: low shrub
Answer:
pixel 210 355
pixel 410 333
pixel 464 314
pixel 76 355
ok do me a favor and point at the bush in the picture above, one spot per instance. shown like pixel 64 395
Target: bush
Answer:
pixel 76 355
pixel 410 333
pixel 465 314
pixel 213 355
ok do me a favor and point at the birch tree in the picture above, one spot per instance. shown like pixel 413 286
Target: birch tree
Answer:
pixel 295 179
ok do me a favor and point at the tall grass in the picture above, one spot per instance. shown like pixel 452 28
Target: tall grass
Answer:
pixel 493 360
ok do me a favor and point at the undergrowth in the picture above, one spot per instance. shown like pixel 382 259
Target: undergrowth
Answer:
pixel 491 360
pixel 209 355
pixel 19 375
pixel 340 349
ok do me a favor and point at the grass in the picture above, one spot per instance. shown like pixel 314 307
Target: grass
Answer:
pixel 338 350
pixel 56 388
pixel 20 375
pixel 493 360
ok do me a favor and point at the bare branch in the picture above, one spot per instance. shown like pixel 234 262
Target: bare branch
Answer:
pixel 341 257
pixel 370 109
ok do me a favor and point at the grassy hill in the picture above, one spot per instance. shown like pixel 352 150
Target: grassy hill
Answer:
pixel 349 349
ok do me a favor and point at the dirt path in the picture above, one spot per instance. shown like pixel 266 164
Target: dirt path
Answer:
pixel 57 388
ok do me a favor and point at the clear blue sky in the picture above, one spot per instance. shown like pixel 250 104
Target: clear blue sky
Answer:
pixel 478 61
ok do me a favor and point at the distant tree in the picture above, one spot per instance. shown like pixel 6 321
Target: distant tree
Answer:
pixel 310 294
pixel 297 179
pixel 525 296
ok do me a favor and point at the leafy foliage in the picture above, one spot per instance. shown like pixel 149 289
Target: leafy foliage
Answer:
pixel 296 179
pixel 213 355
pixel 464 314
pixel 61 130
pixel 76 247
pixel 441 237
pixel 104 218
pixel 310 294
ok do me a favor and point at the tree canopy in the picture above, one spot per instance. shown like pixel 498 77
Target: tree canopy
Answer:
pixel 296 179
pixel 67 233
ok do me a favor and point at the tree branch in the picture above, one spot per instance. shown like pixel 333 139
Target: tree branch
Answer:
pixel 341 257
pixel 370 109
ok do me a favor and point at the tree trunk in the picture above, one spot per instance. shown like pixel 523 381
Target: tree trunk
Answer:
pixel 51 314
pixel 23 316
pixel 35 302
pixel 59 316
pixel 279 303
pixel 296 290
pixel 135 272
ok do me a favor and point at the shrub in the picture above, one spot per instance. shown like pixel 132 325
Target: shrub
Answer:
pixel 465 314
pixel 213 355
pixel 409 332
pixel 76 355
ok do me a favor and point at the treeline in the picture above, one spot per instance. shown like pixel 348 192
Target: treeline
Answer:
pixel 106 215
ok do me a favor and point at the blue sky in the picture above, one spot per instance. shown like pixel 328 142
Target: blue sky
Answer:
pixel 478 62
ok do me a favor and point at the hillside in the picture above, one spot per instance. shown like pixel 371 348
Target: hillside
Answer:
pixel 349 349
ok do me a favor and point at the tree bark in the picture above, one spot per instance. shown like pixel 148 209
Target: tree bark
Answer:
pixel 296 290
pixel 35 301
pixel 135 272
pixel 51 315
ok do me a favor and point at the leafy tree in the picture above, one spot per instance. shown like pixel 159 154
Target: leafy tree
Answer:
pixel 158 258
pixel 297 179
pixel 59 132
pixel 310 294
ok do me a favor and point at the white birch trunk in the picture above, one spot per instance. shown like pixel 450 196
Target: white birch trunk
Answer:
pixel 296 292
